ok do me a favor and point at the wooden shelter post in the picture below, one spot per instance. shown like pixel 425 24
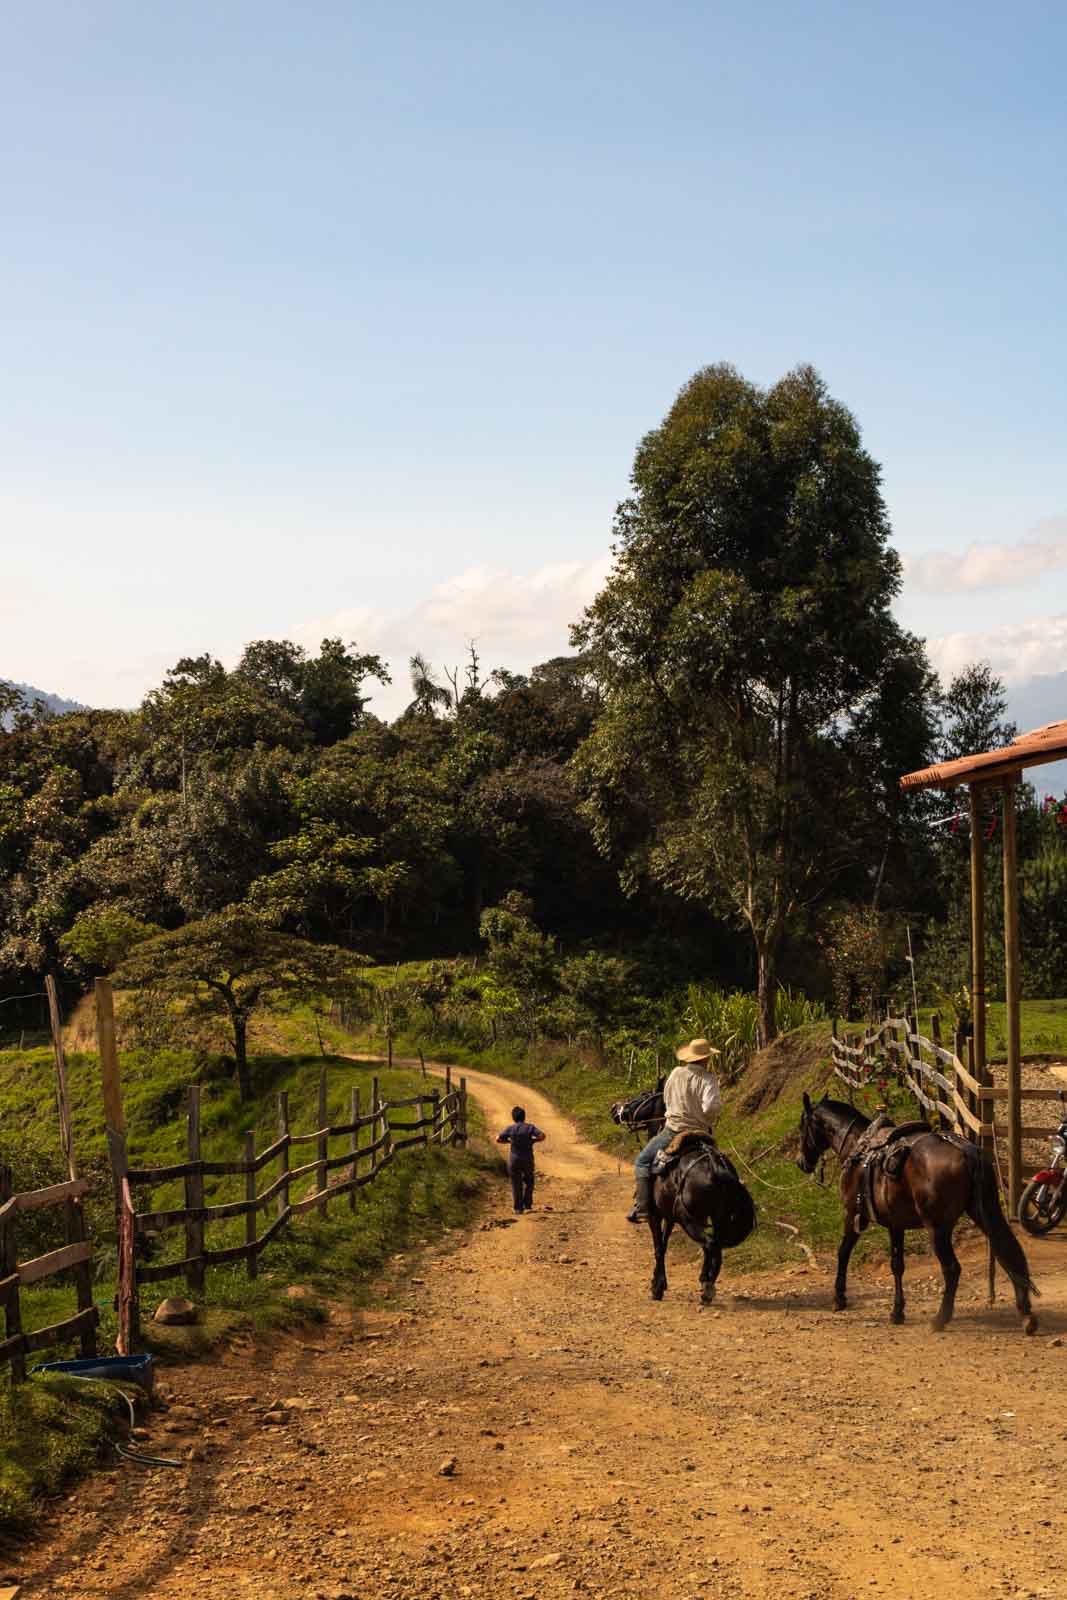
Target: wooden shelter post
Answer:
pixel 1012 988
pixel 977 934
pixel 1000 768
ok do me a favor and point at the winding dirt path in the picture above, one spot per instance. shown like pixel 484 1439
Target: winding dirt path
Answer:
pixel 603 1445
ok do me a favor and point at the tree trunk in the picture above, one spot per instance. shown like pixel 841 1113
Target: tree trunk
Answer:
pixel 766 992
pixel 240 1050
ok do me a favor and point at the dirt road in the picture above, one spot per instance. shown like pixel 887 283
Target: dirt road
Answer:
pixel 530 1423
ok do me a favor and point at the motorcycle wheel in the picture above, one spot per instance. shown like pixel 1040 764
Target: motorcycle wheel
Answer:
pixel 1041 1206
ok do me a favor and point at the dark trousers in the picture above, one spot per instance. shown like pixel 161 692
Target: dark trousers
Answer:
pixel 522 1184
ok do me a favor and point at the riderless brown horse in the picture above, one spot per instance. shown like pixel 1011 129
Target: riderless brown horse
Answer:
pixel 941 1177
pixel 702 1194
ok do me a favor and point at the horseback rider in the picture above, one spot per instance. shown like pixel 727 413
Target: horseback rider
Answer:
pixel 693 1101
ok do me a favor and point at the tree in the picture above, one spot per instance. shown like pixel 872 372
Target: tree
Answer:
pixel 600 988
pixel 12 702
pixel 973 713
pixel 103 936
pixel 330 699
pixel 233 963
pixel 745 625
pixel 431 697
pixel 522 959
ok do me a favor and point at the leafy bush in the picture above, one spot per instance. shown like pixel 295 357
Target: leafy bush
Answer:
pixel 729 1020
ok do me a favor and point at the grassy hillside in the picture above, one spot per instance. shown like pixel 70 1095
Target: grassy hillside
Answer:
pixel 44 1433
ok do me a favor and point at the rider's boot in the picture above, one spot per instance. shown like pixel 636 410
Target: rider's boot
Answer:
pixel 642 1199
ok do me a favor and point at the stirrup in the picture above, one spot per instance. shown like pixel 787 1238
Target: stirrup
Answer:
pixel 636 1215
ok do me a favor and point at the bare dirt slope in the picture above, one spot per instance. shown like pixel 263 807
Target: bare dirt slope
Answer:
pixel 530 1423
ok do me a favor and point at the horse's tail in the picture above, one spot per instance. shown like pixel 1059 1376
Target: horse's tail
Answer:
pixel 985 1209
pixel 734 1207
pixel 735 1214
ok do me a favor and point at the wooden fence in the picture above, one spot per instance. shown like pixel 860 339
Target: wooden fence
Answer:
pixel 74 1256
pixel 15 1275
pixel 952 1095
pixel 441 1118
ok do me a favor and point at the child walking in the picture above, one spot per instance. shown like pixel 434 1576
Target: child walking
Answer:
pixel 521 1136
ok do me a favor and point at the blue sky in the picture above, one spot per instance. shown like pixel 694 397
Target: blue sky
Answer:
pixel 348 318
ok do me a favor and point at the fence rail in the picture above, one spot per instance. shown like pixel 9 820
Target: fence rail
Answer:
pixel 937 1077
pixel 442 1119
pixel 73 1257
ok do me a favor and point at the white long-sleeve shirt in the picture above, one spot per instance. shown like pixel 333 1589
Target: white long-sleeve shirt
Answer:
pixel 693 1099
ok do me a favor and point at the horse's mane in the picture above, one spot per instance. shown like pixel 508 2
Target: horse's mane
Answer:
pixel 840 1113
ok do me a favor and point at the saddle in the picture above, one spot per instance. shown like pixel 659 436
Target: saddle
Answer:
pixel 884 1148
pixel 645 1108
pixel 694 1145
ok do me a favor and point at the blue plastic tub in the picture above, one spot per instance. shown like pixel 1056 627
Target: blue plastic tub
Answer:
pixel 119 1369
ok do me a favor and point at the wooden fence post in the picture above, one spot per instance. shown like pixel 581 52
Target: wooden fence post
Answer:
pixel 194 1197
pixel 9 1265
pixel 73 1210
pixel 283 1153
pixel 251 1216
pixel 128 1341
pixel 462 1134
pixel 114 1120
pixel 375 1098
pixel 77 1233
pixel 958 1053
pixel 1012 992
pixel 323 1145
pixel 432 1135
pixel 62 1099
pixel 914 1057
pixel 126 1299
pixel 387 1132
pixel 972 1099
pixel 353 1192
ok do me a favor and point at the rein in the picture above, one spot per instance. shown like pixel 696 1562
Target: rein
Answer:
pixel 782 1188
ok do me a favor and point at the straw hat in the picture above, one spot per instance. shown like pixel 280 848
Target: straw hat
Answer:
pixel 696 1050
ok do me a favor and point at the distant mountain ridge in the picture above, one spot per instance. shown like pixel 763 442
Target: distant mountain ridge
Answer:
pixel 54 702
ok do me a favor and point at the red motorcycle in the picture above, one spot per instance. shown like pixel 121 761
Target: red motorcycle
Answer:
pixel 1043 1202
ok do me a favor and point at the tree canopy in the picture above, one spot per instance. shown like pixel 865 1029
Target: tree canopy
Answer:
pixel 706 786
pixel 233 963
pixel 740 643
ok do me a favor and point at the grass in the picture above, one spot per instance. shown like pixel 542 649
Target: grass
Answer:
pixel 337 1257
pixel 1042 1028
pixel 420 1191
pixel 51 1428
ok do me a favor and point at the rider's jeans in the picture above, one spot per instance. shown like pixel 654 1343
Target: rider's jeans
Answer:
pixel 643 1164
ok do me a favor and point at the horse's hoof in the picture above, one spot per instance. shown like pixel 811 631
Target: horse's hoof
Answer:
pixel 896 1318
pixel 708 1297
pixel 1030 1325
pixel 841 1305
pixel 938 1325
pixel 657 1294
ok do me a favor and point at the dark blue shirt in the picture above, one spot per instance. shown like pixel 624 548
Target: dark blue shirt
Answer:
pixel 521 1137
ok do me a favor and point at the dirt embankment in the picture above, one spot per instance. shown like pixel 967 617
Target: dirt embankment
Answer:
pixel 525 1421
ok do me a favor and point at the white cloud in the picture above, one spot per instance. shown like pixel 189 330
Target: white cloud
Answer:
pixel 515 618
pixel 990 566
pixel 1016 652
